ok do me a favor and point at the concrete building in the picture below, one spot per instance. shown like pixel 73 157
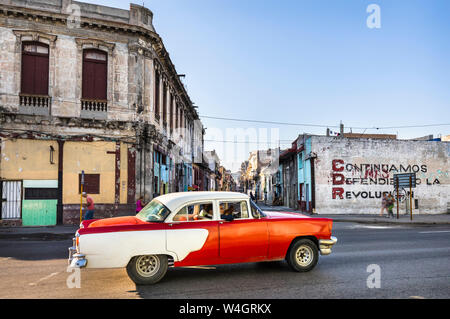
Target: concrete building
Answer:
pixel 213 162
pixel 88 88
pixel 256 174
pixel 289 177
pixel 338 175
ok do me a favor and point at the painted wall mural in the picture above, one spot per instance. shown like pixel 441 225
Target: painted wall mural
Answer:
pixel 375 174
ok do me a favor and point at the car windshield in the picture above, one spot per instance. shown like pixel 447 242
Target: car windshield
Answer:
pixel 256 211
pixel 153 212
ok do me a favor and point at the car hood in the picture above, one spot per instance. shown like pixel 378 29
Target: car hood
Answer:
pixel 117 221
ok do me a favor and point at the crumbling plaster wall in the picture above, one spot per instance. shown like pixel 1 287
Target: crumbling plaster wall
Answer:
pixel 351 174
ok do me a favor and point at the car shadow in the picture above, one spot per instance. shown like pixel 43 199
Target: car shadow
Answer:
pixel 206 279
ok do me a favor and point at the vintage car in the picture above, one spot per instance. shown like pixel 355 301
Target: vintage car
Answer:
pixel 199 228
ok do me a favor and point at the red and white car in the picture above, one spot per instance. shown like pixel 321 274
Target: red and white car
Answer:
pixel 199 228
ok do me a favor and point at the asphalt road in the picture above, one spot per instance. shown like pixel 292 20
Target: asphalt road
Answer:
pixel 410 262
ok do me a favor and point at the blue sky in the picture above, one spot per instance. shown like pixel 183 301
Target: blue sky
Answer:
pixel 312 62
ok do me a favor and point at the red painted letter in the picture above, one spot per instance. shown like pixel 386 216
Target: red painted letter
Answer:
pixel 338 191
pixel 335 168
pixel 338 179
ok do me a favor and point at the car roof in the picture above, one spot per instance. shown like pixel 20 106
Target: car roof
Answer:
pixel 174 200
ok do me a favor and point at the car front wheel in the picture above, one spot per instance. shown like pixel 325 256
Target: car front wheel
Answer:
pixel 303 255
pixel 147 269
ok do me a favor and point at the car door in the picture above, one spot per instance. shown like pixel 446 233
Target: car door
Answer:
pixel 245 238
pixel 192 233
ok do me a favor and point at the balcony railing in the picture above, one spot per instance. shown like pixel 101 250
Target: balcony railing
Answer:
pixel 34 104
pixel 97 109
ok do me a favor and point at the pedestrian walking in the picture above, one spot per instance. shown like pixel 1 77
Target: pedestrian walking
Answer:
pixel 390 205
pixel 139 204
pixel 383 204
pixel 89 205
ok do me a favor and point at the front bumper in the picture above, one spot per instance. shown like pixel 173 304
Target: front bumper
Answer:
pixel 76 260
pixel 325 245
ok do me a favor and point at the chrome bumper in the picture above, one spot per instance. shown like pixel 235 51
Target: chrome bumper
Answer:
pixel 76 260
pixel 326 244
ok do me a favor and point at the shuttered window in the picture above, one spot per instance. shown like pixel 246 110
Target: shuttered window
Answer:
pixel 91 183
pixel 34 77
pixel 157 92
pixel 95 64
pixel 164 104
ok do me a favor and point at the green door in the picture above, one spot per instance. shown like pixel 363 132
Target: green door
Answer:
pixel 39 212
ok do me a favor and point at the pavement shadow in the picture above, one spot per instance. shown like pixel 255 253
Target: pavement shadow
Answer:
pixel 34 250
pixel 207 279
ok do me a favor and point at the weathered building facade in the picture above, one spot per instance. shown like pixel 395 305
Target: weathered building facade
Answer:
pixel 256 175
pixel 88 89
pixel 340 175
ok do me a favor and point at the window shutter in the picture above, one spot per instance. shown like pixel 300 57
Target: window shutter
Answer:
pixel 95 73
pixel 91 183
pixel 35 68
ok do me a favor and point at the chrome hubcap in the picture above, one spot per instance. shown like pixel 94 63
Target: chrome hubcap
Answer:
pixel 304 255
pixel 147 266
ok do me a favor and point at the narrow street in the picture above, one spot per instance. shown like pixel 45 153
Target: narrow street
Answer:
pixel 413 263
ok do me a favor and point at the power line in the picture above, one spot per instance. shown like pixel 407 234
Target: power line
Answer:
pixel 266 122
pixel 248 142
pixel 322 125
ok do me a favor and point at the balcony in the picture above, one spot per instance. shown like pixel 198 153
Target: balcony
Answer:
pixel 35 104
pixel 94 109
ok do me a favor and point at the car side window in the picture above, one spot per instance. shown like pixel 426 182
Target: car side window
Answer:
pixel 195 212
pixel 237 209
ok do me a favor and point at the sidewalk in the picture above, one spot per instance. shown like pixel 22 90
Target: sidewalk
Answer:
pixel 423 219
pixel 39 232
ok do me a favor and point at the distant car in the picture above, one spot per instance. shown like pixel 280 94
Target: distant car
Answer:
pixel 199 228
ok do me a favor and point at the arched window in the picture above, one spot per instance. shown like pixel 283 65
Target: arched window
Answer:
pixel 95 65
pixel 34 79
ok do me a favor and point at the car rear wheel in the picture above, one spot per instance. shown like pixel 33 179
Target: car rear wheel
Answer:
pixel 147 269
pixel 303 255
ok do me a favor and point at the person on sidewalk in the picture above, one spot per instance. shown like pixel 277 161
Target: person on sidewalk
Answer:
pixel 390 205
pixel 89 205
pixel 383 204
pixel 139 204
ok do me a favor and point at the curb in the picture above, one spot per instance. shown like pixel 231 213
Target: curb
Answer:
pixel 407 223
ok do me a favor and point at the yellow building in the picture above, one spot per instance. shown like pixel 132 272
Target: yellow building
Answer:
pixel 32 186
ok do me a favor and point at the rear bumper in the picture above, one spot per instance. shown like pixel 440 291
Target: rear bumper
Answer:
pixel 325 245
